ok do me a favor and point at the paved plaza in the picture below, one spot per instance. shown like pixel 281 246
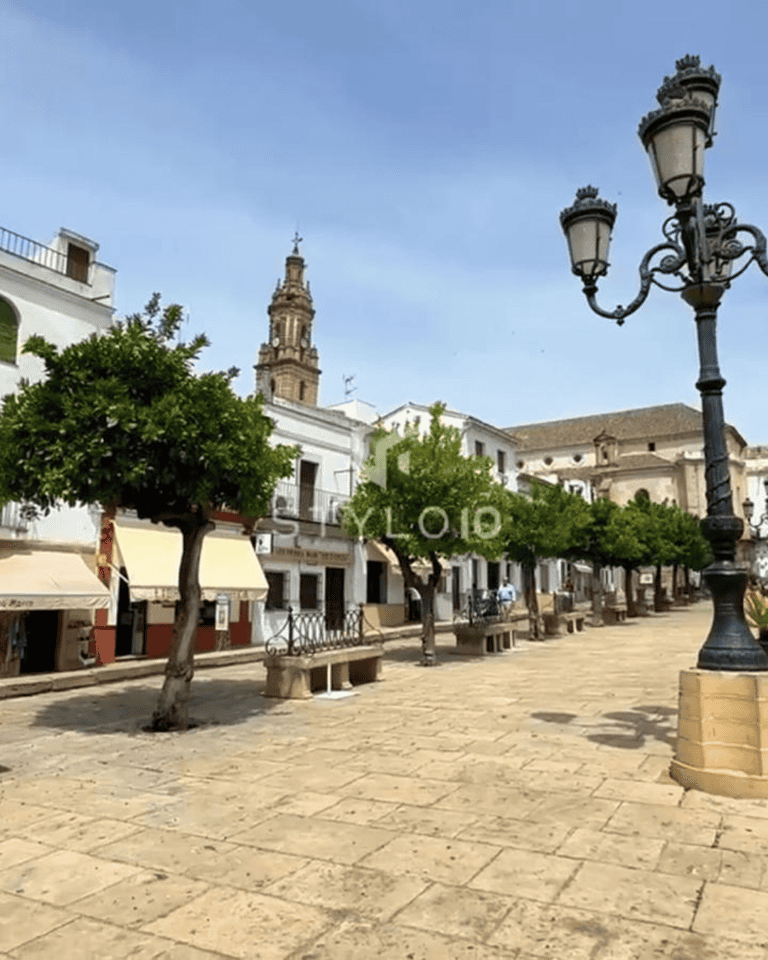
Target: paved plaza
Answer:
pixel 515 806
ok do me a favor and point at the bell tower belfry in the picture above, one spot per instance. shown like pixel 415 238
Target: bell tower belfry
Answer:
pixel 288 364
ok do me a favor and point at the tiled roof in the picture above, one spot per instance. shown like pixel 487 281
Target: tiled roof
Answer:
pixel 647 423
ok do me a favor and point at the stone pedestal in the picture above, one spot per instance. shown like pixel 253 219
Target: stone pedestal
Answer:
pixel 722 742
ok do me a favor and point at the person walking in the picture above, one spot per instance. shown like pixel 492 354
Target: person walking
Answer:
pixel 506 596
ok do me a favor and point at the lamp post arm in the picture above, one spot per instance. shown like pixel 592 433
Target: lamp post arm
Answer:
pixel 670 264
pixel 733 249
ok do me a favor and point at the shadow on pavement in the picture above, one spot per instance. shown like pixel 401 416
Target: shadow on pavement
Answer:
pixel 627 729
pixel 213 701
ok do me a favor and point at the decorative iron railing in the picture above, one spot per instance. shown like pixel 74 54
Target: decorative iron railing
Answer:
pixel 296 501
pixel 304 633
pixel 479 609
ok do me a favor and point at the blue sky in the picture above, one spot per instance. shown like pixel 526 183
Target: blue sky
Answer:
pixel 423 149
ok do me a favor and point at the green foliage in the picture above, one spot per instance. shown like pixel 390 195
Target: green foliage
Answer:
pixel 756 609
pixel 423 497
pixel 122 420
pixel 549 523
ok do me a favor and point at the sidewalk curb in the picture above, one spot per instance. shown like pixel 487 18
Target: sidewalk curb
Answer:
pixel 27 686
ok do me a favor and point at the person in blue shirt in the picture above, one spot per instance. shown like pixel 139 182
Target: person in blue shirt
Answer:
pixel 506 595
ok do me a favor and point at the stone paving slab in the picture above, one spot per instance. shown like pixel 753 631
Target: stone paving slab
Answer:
pixel 514 807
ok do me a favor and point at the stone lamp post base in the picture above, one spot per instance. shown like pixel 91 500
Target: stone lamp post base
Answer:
pixel 722 741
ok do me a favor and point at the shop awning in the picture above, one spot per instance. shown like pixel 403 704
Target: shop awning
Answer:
pixel 381 554
pixel 152 557
pixel 49 580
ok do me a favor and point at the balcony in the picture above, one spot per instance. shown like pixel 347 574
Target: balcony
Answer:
pixel 295 501
pixel 69 256
pixel 35 252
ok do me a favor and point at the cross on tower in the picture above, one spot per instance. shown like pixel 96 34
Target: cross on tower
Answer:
pixel 296 241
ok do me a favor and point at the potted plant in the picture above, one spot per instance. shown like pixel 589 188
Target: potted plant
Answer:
pixel 756 608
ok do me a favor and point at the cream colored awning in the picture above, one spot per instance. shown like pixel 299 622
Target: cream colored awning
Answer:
pixel 152 557
pixel 377 551
pixel 381 554
pixel 49 580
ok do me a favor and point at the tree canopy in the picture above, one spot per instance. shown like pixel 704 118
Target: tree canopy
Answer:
pixel 122 420
pixel 548 523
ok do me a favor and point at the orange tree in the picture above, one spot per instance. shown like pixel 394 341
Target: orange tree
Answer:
pixel 122 420
pixel 421 497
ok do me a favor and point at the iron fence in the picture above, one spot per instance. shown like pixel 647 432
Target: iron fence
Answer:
pixel 479 609
pixel 304 633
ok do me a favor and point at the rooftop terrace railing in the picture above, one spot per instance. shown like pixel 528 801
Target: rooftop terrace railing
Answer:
pixel 45 256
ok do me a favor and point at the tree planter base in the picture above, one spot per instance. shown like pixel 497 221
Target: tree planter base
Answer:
pixel 722 742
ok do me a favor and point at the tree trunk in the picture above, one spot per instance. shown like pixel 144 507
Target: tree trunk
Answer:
pixel 426 592
pixel 597 597
pixel 428 648
pixel 532 602
pixel 657 603
pixel 675 597
pixel 629 590
pixel 172 711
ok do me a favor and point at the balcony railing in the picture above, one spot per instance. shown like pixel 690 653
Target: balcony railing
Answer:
pixel 296 501
pixel 38 253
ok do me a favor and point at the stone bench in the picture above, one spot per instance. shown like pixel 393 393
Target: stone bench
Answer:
pixel 298 677
pixel 479 639
pixel 574 622
pixel 615 613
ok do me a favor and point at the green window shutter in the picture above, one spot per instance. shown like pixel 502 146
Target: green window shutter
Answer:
pixel 9 333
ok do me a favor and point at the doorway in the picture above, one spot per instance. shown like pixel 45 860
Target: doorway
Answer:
pixel 42 630
pixel 334 598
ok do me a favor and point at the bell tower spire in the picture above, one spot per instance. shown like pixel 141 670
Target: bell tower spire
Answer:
pixel 288 364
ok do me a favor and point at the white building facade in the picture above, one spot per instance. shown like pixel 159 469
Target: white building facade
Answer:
pixel 49 591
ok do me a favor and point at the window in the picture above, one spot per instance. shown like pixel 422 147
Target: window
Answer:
pixel 308 591
pixel 276 589
pixel 479 448
pixel 548 461
pixel 207 617
pixel 651 446
pixel 9 332
pixel 77 262
pixel 578 457
pixel 302 391
pixel 501 461
pixel 493 575
pixel 520 464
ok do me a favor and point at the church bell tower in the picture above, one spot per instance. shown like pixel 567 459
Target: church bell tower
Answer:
pixel 288 364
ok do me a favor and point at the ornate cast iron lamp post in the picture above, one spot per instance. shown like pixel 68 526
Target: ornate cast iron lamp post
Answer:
pixel 698 259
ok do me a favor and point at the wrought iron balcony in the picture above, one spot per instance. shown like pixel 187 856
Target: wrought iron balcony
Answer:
pixel 296 501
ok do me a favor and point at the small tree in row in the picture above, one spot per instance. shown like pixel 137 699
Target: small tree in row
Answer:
pixel 423 499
